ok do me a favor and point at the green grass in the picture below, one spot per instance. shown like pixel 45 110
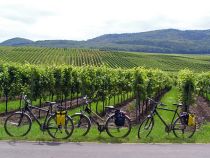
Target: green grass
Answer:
pixel 158 134
pixel 12 105
pixel 80 57
pixel 201 136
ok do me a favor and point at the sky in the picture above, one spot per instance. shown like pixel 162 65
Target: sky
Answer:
pixel 86 19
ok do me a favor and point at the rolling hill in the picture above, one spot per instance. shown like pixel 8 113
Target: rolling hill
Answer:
pixel 17 42
pixel 158 41
pixel 80 57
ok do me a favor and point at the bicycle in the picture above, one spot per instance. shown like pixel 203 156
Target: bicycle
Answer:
pixel 180 126
pixel 58 125
pixel 117 123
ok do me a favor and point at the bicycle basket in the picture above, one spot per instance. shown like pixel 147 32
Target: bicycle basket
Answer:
pixel 191 120
pixel 60 117
pixel 119 118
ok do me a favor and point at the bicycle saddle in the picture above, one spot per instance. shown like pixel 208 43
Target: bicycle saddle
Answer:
pixel 110 107
pixel 50 103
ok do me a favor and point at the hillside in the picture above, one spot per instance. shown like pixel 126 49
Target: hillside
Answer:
pixel 114 59
pixel 159 41
pixel 16 42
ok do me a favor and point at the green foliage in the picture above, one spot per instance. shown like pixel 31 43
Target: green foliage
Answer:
pixel 67 81
pixel 203 84
pixel 190 84
pixel 96 82
pixel 186 83
pixel 4 80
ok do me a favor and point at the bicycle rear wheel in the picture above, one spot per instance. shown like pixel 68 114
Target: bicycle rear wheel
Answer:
pixel 117 131
pixel 17 124
pixel 60 131
pixel 145 127
pixel 82 124
pixel 181 128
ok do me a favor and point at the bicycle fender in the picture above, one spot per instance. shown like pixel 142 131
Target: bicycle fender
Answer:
pixel 79 113
pixel 19 112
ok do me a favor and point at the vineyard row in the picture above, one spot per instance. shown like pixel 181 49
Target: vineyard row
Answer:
pixel 98 82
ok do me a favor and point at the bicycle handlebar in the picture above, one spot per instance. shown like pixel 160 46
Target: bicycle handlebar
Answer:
pixel 158 103
pixel 162 104
pixel 24 97
pixel 86 99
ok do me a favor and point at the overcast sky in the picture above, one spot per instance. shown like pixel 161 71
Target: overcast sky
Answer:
pixel 85 19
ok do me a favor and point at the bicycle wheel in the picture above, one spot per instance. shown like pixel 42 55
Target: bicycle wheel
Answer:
pixel 145 127
pixel 60 131
pixel 117 131
pixel 81 124
pixel 17 124
pixel 181 128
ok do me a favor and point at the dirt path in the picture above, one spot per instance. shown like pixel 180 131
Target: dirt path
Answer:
pixel 201 109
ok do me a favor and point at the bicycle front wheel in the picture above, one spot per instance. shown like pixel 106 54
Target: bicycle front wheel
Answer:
pixel 81 124
pixel 145 127
pixel 181 129
pixel 118 131
pixel 60 131
pixel 17 124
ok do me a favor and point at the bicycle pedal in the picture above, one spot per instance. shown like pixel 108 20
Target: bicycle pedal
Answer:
pixel 168 129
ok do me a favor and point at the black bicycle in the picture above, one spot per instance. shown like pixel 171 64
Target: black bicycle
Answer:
pixel 183 126
pixel 58 124
pixel 117 123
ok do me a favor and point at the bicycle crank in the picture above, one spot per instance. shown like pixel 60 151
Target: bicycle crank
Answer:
pixel 168 128
pixel 101 128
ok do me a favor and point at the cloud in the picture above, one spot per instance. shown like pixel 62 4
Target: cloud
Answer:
pixel 23 14
pixel 84 19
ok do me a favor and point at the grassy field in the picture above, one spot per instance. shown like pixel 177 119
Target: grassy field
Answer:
pixel 79 57
pixel 158 134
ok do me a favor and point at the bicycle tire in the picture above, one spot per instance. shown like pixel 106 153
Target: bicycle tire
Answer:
pixel 145 127
pixel 181 129
pixel 17 124
pixel 59 131
pixel 118 131
pixel 82 124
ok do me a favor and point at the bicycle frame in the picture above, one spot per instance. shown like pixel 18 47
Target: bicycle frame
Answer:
pixel 91 113
pixel 112 123
pixel 155 112
pixel 29 109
